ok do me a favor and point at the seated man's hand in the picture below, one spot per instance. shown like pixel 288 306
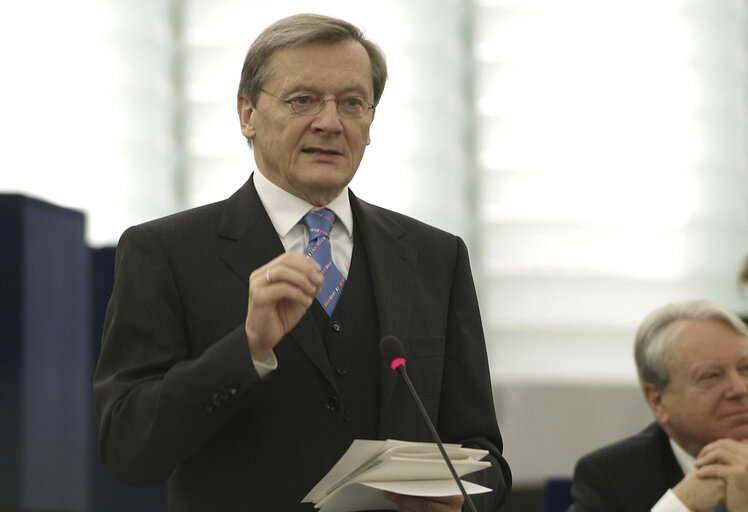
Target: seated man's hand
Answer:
pixel 727 459
pixel 418 504
pixel 699 493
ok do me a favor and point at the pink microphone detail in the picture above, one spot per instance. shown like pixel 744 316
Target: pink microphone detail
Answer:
pixel 397 362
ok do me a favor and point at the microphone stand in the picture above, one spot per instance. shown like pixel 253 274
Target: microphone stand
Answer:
pixel 401 370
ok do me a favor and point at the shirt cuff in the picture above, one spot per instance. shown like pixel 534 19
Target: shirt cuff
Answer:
pixel 267 365
pixel 670 503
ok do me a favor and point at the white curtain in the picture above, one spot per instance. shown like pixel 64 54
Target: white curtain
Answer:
pixel 592 153
pixel 87 101
pixel 612 171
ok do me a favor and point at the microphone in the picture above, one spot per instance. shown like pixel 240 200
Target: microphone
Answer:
pixel 393 354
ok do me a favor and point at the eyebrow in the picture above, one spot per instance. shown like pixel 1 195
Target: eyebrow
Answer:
pixel 705 367
pixel 350 90
pixel 715 366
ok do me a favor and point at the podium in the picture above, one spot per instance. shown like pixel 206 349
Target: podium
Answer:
pixel 51 308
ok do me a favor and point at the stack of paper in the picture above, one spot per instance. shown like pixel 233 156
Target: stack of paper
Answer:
pixel 369 467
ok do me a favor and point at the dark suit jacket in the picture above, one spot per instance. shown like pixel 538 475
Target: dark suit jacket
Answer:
pixel 627 476
pixel 176 392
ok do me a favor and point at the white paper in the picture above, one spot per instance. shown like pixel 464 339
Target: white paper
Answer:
pixel 368 467
pixel 370 496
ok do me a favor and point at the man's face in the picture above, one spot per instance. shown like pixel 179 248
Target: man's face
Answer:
pixel 707 398
pixel 313 157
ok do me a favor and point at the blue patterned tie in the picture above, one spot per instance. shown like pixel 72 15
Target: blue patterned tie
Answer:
pixel 723 508
pixel 320 224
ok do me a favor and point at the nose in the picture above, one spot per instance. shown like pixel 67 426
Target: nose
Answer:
pixel 738 383
pixel 328 119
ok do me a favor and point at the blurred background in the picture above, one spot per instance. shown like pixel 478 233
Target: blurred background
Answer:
pixel 592 153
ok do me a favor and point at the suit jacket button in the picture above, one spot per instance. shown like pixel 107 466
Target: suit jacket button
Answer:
pixel 332 403
pixel 342 371
pixel 347 416
pixel 337 326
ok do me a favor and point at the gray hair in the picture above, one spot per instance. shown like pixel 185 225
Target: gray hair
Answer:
pixel 661 326
pixel 298 30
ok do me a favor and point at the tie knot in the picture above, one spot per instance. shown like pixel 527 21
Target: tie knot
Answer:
pixel 319 223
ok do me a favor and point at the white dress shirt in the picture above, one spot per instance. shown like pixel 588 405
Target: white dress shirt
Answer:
pixel 286 210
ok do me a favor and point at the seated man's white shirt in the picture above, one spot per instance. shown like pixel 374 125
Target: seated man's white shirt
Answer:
pixel 669 501
pixel 285 211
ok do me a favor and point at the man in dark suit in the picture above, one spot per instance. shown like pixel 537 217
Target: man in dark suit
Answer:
pixel 235 366
pixel 692 360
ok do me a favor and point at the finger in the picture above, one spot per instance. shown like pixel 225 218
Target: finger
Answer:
pixel 283 291
pixel 725 452
pixel 716 471
pixel 302 272
pixel 295 259
pixel 300 263
pixel 700 493
pixel 307 278
pixel 727 444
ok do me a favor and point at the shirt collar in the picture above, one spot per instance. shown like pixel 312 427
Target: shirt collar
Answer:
pixel 285 209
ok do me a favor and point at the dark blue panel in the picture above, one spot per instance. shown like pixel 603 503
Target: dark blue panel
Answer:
pixel 46 357
pixel 102 285
pixel 557 496
pixel 56 357
pixel 53 296
pixel 10 353
pixel 109 495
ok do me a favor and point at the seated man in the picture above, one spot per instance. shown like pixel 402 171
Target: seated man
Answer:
pixel 692 360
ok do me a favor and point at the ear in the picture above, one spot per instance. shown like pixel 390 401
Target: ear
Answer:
pixel 654 397
pixel 245 109
pixel 368 136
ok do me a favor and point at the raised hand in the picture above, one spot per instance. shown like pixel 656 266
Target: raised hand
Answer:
pixel 280 292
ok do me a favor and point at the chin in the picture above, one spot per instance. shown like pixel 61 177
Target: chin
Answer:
pixel 740 433
pixel 326 178
pixel 735 431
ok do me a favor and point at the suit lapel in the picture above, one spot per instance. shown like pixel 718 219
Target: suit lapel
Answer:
pixel 256 242
pixel 246 222
pixel 672 472
pixel 392 260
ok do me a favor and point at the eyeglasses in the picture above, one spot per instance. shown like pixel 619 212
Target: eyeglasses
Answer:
pixel 350 107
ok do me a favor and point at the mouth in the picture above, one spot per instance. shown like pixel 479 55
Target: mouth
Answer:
pixel 741 414
pixel 321 151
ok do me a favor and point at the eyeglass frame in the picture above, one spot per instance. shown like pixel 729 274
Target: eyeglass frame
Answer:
pixel 322 103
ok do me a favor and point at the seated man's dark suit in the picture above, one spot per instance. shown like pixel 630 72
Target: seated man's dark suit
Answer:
pixel 627 476
pixel 177 395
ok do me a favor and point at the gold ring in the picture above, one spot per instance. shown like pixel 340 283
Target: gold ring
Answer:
pixel 267 275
